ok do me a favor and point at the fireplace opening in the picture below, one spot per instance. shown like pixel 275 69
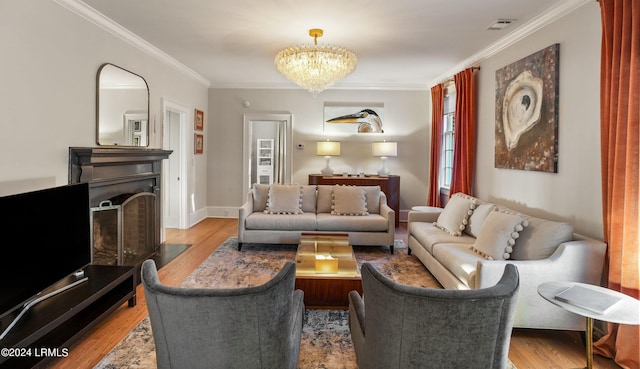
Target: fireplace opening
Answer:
pixel 123 229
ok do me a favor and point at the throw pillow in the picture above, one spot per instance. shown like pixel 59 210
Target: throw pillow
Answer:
pixel 540 238
pixel 309 198
pixel 455 214
pixel 476 220
pixel 498 235
pixel 372 193
pixel 284 199
pixel 325 197
pixel 349 200
pixel 260 196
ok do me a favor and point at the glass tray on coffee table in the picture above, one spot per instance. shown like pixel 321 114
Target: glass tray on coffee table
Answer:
pixel 326 255
pixel 327 270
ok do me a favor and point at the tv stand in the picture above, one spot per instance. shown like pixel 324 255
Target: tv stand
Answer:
pixel 36 300
pixel 48 328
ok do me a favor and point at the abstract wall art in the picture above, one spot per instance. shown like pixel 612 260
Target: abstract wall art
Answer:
pixel 526 124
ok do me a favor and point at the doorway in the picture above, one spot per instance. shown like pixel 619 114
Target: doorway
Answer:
pixel 175 179
pixel 266 150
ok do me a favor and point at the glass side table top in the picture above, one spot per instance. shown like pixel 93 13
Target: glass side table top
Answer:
pixel 326 255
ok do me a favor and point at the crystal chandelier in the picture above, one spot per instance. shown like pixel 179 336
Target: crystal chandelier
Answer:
pixel 314 67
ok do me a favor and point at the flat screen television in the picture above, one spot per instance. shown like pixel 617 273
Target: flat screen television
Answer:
pixel 44 237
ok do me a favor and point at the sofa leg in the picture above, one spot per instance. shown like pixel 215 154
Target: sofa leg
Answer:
pixel 409 250
pixel 239 246
pixel 391 249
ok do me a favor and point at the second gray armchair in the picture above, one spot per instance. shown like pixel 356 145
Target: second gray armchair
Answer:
pixel 253 327
pixel 400 326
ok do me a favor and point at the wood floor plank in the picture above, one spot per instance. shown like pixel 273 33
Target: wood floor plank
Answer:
pixel 530 348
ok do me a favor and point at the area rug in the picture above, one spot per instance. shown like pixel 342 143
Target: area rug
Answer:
pixel 326 340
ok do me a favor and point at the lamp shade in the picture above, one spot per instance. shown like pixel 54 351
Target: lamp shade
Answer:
pixel 328 148
pixel 385 148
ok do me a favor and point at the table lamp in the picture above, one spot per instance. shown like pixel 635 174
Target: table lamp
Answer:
pixel 384 150
pixel 328 149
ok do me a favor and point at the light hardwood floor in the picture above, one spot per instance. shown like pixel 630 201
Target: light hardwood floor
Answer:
pixel 532 349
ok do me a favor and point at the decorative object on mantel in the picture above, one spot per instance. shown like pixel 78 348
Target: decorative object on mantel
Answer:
pixel 353 117
pixel 384 150
pixel 199 120
pixel 526 136
pixel 328 149
pixel 314 67
pixel 198 143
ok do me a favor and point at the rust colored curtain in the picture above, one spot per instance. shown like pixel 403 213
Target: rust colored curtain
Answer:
pixel 437 112
pixel 620 121
pixel 465 134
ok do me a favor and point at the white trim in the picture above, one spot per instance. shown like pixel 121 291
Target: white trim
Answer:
pixel 222 212
pixel 131 38
pixel 550 15
pixel 185 117
pixel 337 86
pixel 543 19
pixel 197 217
pixel 248 119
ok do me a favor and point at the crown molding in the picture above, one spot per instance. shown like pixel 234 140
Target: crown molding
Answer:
pixel 543 19
pixel 552 14
pixel 100 20
pixel 337 86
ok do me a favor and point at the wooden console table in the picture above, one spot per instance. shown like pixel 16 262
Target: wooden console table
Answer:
pixel 389 185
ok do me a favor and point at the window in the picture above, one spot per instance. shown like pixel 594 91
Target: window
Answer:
pixel 446 156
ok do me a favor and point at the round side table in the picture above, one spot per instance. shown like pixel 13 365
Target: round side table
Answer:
pixel 625 311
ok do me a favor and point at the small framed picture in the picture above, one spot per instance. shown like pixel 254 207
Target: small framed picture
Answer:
pixel 199 120
pixel 198 143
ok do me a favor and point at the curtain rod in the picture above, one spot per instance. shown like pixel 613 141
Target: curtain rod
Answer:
pixel 450 79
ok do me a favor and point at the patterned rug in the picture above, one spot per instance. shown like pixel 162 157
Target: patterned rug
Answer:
pixel 326 341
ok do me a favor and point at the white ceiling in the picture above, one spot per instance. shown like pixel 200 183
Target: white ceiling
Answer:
pixel 400 44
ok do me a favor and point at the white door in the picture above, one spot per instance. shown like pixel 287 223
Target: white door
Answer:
pixel 175 123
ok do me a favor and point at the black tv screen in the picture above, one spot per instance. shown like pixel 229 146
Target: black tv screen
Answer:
pixel 45 237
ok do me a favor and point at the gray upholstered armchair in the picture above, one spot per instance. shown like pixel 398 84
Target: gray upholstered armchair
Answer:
pixel 253 327
pixel 400 326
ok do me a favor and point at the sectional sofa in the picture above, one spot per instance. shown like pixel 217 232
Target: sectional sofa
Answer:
pixel 278 214
pixel 467 244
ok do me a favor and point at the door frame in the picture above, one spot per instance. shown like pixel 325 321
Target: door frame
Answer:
pixel 248 121
pixel 186 116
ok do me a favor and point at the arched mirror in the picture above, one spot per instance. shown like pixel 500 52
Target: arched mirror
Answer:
pixel 122 112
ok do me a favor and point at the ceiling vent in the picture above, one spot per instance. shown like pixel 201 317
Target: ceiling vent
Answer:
pixel 500 24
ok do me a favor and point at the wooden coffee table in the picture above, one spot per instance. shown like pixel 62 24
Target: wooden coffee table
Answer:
pixel 326 270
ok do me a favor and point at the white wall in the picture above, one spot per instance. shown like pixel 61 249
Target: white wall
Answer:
pixel 47 97
pixel 574 193
pixel 50 57
pixel 406 115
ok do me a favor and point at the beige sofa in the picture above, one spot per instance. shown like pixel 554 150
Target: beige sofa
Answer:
pixel 467 244
pixel 278 214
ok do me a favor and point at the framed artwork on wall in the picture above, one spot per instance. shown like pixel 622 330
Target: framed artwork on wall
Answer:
pixel 526 126
pixel 342 117
pixel 198 143
pixel 199 120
